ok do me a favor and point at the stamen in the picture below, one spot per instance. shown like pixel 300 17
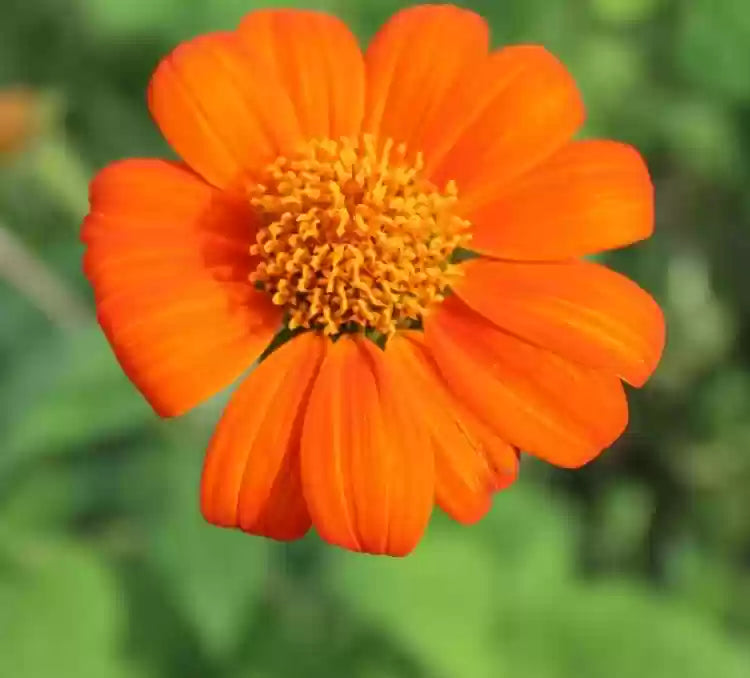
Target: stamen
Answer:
pixel 353 234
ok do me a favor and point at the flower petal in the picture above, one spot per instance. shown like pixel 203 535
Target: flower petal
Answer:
pixel 168 258
pixel 317 62
pixel 413 65
pixel 471 462
pixel 229 103
pixel 367 466
pixel 581 310
pixel 589 197
pixel 536 400
pixel 508 115
pixel 251 478
pixel 222 113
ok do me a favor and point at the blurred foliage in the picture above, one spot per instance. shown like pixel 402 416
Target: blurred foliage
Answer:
pixel 638 565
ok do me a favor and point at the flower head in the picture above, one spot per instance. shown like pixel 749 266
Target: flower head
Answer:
pixel 18 119
pixel 354 237
pixel 414 218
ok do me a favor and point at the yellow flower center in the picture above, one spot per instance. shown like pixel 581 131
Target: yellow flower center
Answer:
pixel 353 236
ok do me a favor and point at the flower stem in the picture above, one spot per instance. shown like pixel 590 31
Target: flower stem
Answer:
pixel 40 285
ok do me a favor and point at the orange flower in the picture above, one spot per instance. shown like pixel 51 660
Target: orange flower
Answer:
pixel 18 119
pixel 336 194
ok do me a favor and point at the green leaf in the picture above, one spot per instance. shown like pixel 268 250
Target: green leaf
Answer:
pixel 116 19
pixel 60 613
pixel 181 19
pixel 609 69
pixel 712 46
pixel 624 11
pixel 66 392
pixel 464 606
pixel 702 135
pixel 421 599
pixel 216 575
pixel 443 600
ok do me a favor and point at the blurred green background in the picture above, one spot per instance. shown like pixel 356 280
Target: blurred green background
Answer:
pixel 638 566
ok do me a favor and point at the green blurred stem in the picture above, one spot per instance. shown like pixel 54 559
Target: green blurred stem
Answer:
pixel 59 168
pixel 40 285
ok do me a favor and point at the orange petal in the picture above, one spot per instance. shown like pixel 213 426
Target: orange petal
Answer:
pixel 581 310
pixel 514 110
pixel 221 113
pixel 318 63
pixel 536 400
pixel 229 103
pixel 167 256
pixel 590 196
pixel 471 462
pixel 367 466
pixel 251 478
pixel 413 65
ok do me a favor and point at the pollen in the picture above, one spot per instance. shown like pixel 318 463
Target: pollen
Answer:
pixel 353 236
